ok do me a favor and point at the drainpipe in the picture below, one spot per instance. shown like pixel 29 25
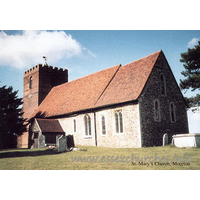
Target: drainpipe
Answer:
pixel 95 129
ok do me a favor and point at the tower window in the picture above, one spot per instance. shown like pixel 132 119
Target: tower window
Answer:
pixel 162 85
pixel 31 82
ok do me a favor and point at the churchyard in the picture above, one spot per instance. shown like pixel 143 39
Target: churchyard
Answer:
pixel 101 158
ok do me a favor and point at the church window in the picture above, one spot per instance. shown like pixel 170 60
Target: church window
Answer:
pixel 119 121
pixel 162 85
pixel 31 82
pixel 172 112
pixel 157 116
pixel 103 124
pixel 74 126
pixel 87 122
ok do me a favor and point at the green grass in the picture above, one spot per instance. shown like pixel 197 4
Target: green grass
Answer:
pixel 42 159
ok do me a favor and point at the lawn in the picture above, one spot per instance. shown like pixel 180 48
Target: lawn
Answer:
pixel 100 158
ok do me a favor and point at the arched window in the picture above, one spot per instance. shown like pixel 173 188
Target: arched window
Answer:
pixel 103 124
pixel 119 121
pixel 74 126
pixel 31 82
pixel 157 111
pixel 162 85
pixel 172 112
pixel 87 122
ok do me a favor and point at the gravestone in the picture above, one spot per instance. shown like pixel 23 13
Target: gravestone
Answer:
pixel 35 144
pixel 186 140
pixel 70 141
pixel 165 139
pixel 41 141
pixel 61 142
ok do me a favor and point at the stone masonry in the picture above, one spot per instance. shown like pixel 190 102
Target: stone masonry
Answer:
pixel 129 138
pixel 153 131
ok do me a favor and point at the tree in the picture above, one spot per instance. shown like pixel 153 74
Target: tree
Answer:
pixel 11 121
pixel 193 101
pixel 191 60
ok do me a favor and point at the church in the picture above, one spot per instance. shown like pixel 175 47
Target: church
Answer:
pixel 126 106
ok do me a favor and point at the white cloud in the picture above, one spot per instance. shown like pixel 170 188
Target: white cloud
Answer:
pixel 27 49
pixel 193 42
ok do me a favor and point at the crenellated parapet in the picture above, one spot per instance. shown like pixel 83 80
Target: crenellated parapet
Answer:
pixel 47 68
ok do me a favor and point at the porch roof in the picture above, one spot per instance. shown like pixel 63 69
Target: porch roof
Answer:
pixel 49 125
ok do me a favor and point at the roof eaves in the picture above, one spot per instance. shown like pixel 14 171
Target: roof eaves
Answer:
pixel 89 110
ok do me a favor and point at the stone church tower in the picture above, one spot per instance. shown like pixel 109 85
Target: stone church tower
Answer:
pixel 38 81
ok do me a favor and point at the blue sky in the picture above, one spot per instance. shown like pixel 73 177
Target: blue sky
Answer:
pixel 86 52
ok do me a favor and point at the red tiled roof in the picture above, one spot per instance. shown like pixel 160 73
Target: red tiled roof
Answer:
pixel 80 94
pixel 111 86
pixel 50 125
pixel 129 81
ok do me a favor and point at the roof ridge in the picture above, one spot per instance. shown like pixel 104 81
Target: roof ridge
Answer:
pixel 87 75
pixel 143 58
